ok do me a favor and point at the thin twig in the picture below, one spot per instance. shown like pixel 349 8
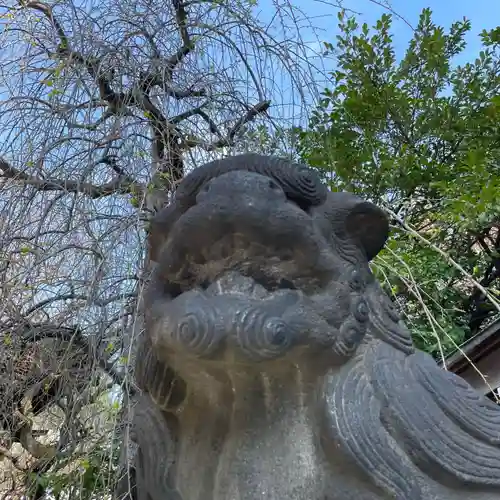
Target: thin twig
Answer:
pixel 448 258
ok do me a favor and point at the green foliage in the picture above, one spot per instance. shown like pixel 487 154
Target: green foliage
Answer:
pixel 420 136
pixel 89 471
pixel 87 478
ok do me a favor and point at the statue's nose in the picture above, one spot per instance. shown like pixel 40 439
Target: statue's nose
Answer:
pixel 240 186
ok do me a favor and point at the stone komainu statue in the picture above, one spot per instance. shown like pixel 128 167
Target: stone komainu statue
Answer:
pixel 273 366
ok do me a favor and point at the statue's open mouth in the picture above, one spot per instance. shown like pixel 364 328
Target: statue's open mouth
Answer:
pixel 242 280
pixel 240 267
pixel 240 274
pixel 246 223
pixel 205 244
pixel 234 298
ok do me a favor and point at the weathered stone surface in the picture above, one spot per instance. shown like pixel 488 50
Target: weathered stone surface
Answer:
pixel 273 366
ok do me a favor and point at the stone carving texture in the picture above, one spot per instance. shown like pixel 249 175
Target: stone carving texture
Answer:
pixel 273 366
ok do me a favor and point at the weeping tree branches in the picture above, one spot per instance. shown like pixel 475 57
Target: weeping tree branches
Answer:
pixel 104 108
pixel 169 141
pixel 121 184
pixel 49 367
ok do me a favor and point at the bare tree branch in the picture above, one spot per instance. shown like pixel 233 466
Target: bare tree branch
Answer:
pixel 105 100
pixel 252 112
pixel 120 184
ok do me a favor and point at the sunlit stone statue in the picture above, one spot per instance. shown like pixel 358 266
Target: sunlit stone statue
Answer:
pixel 273 366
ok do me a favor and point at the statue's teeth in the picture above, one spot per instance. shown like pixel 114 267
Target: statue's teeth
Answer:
pixel 235 283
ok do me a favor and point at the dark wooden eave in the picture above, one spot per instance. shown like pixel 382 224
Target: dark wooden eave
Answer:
pixel 482 351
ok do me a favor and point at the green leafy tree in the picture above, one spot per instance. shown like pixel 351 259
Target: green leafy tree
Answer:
pixel 420 136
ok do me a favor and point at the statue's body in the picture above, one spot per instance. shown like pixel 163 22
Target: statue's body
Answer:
pixel 274 367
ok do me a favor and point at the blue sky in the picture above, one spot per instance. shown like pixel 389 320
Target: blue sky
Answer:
pixel 482 14
pixel 322 25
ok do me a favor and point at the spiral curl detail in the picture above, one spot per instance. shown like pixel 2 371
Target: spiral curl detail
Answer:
pixel 199 331
pixel 350 336
pixel 299 183
pixel 261 336
pixel 361 310
pixel 356 281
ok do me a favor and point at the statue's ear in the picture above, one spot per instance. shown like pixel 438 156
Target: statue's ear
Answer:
pixel 368 225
